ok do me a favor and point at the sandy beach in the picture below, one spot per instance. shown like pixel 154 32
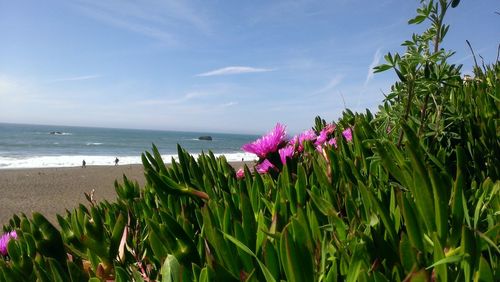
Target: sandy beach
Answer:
pixel 51 191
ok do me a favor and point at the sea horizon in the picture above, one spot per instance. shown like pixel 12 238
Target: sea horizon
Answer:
pixel 131 128
pixel 44 146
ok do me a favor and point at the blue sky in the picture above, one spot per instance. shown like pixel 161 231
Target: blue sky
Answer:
pixel 223 66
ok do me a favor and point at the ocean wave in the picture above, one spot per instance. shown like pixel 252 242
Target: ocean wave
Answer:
pixel 60 133
pixel 74 161
pixel 93 143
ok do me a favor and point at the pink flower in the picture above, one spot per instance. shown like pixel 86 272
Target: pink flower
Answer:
pixel 264 166
pixel 4 240
pixel 285 153
pixel 308 135
pixel 347 134
pixel 319 148
pixel 268 143
pixel 333 142
pixel 240 174
pixel 324 134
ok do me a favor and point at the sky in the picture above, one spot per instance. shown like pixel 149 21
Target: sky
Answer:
pixel 211 66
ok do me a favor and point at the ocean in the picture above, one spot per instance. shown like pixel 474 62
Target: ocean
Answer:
pixel 34 146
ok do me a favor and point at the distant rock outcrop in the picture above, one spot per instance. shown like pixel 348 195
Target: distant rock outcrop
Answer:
pixel 207 138
pixel 56 133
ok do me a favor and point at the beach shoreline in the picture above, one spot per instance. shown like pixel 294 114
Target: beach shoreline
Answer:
pixel 52 191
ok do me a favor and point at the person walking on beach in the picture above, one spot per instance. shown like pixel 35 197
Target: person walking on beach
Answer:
pixel 84 164
pixel 116 161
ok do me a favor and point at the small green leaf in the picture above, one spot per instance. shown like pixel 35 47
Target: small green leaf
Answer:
pixel 323 205
pixel 267 274
pixel 484 272
pixel 440 270
pixel 121 274
pixel 355 265
pixel 400 75
pixel 300 185
pixel 417 20
pixel 450 259
pixel 407 253
pixel 170 271
pixel 381 68
pixel 489 241
pixel 412 227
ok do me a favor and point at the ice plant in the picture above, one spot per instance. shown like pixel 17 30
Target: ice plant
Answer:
pixel 347 134
pixel 264 166
pixel 268 143
pixel 325 134
pixel 4 241
pixel 286 152
pixel 240 173
pixel 308 135
pixel 333 142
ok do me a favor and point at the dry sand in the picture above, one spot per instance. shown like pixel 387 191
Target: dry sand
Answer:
pixel 51 191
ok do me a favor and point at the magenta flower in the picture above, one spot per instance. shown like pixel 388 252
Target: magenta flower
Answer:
pixel 319 148
pixel 264 166
pixel 268 143
pixel 324 134
pixel 240 173
pixel 308 135
pixel 285 153
pixel 333 142
pixel 347 134
pixel 4 240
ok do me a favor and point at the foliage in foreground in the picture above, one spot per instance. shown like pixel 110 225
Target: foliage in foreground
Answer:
pixel 369 211
pixel 414 195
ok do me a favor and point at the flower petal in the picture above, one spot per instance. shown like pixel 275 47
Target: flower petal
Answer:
pixel 264 166
pixel 268 143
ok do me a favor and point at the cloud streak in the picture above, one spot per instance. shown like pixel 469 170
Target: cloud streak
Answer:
pixel 189 96
pixel 376 60
pixel 76 78
pixel 234 70
pixel 229 104
pixel 334 82
pixel 153 19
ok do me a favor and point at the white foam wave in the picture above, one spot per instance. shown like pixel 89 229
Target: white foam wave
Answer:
pixel 60 133
pixel 93 143
pixel 72 161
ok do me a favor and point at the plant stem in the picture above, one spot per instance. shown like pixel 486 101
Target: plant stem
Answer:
pixel 437 39
pixel 407 111
pixel 422 114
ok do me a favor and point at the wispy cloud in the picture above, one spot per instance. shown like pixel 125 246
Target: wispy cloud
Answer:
pixel 234 70
pixel 159 20
pixel 229 104
pixel 469 56
pixel 189 96
pixel 376 60
pixel 76 78
pixel 332 83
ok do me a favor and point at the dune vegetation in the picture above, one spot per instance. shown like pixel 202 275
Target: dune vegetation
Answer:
pixel 410 193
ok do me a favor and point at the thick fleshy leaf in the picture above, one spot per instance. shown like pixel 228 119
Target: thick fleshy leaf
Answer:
pixel 267 274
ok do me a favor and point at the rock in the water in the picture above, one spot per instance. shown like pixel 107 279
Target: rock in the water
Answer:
pixel 208 138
